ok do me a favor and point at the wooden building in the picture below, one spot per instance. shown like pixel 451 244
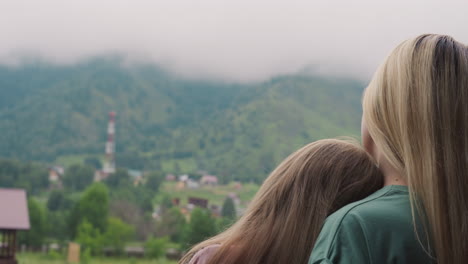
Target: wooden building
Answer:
pixel 13 217
pixel 200 202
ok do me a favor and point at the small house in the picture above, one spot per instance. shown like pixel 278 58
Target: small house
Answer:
pixel 209 180
pixel 191 184
pixel 199 202
pixel 14 216
pixel 171 177
pixel 136 177
pixel 56 173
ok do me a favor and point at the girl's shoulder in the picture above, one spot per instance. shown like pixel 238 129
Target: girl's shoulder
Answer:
pixel 203 255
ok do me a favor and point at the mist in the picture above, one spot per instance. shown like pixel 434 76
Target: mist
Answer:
pixel 242 40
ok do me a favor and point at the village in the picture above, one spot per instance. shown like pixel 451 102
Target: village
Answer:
pixel 147 214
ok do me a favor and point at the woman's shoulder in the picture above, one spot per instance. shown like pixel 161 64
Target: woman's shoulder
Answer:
pixel 203 255
pixel 390 204
pixel 368 230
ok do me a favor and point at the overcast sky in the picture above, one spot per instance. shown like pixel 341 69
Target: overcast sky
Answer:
pixel 240 40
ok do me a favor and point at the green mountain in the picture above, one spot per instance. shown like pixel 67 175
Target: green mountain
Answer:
pixel 237 131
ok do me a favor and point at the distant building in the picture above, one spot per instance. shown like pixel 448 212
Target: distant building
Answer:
pixel 198 202
pixel 170 177
pixel 186 182
pixel 191 184
pixel 209 180
pixel 183 178
pixel 56 173
pixel 100 175
pixel 14 216
pixel 136 176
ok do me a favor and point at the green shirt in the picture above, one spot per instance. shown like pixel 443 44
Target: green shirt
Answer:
pixel 378 229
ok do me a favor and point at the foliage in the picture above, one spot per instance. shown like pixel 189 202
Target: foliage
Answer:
pixel 85 258
pixel 120 178
pixel 78 177
pixel 229 209
pixel 58 201
pixel 58 226
pixel 132 160
pixel 37 258
pixel 30 176
pixel 56 198
pixel 154 180
pixel 54 255
pixel 156 247
pixel 166 202
pixel 138 195
pixel 133 215
pixel 117 234
pixel 93 162
pixel 172 224
pixel 89 237
pixel 93 207
pixel 201 227
pixel 235 131
pixel 36 234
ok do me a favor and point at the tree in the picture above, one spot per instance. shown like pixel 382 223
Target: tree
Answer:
pixel 120 178
pixel 195 176
pixel 201 227
pixel 78 177
pixel 56 200
pixel 132 160
pixel 133 215
pixel 154 180
pixel 30 176
pixel 92 207
pixel 118 234
pixel 93 162
pixel 156 247
pixel 57 221
pixel 36 234
pixel 172 224
pixel 229 209
pixel 89 237
pixel 166 202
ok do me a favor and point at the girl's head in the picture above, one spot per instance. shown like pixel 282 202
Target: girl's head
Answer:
pixel 416 114
pixel 287 213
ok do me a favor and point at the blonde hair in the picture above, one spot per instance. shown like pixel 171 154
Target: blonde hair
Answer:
pixel 286 215
pixel 416 110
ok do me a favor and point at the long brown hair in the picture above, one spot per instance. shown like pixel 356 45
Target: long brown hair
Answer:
pixel 416 110
pixel 286 215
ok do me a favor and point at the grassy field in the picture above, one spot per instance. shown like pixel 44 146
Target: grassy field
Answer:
pixel 215 195
pixel 33 258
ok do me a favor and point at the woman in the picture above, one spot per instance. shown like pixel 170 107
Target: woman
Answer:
pixel 415 125
pixel 286 214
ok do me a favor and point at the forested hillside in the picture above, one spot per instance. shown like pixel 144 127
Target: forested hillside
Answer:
pixel 237 131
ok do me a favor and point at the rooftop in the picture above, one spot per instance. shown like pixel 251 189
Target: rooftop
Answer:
pixel 13 209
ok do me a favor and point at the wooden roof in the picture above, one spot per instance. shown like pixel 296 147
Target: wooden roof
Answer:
pixel 13 209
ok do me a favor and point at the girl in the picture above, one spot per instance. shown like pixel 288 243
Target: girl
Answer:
pixel 287 213
pixel 415 125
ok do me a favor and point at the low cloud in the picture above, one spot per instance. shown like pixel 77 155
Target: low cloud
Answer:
pixel 238 40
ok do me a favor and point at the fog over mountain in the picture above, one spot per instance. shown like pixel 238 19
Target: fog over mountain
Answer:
pixel 240 40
